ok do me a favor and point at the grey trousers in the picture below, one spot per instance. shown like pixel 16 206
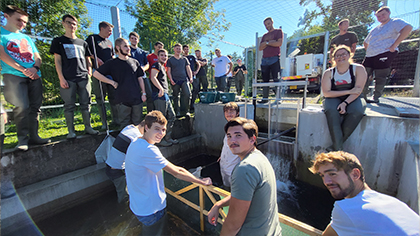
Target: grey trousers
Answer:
pixel 166 108
pixel 26 95
pixel 196 88
pixel 342 126
pixel 129 114
pixel 185 97
pixel 380 77
pixel 82 89
pixel 149 101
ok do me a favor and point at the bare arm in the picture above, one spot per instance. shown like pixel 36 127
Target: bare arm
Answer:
pixel 403 35
pixel 329 231
pixel 104 79
pixel 230 68
pixel 189 73
pixel 170 75
pixel 59 69
pixel 30 72
pixel 141 82
pixel 365 45
pixel 214 211
pixel 238 210
pixel 89 65
pixel 153 78
pixel 198 68
pixel 183 174
pixel 326 87
pixel 146 67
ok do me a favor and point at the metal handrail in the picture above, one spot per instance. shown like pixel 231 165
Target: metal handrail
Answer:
pixel 307 229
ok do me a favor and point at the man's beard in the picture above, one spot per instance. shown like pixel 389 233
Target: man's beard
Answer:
pixel 344 192
pixel 123 53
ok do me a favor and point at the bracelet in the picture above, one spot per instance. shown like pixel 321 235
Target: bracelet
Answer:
pixel 144 94
pixel 346 102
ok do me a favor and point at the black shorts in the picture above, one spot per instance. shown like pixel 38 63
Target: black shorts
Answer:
pixel 381 61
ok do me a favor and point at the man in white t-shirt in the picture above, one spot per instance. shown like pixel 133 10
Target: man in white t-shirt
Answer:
pixel 228 160
pixel 143 167
pixel 222 67
pixel 381 46
pixel 360 210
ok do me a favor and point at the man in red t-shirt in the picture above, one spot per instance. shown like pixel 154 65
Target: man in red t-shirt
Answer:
pixel 270 45
pixel 152 58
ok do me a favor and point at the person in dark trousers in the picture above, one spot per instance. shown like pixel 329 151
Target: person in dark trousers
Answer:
pixel 194 64
pixel 270 64
pixel 104 52
pixel 381 46
pixel 20 63
pixel 127 79
pixel 72 63
pixel 343 105
pixel 239 72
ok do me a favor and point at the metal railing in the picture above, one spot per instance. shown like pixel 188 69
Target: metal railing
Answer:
pixel 209 190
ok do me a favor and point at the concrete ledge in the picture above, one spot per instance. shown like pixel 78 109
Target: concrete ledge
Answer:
pixel 48 197
pixel 381 144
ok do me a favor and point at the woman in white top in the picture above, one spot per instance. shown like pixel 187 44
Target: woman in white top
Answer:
pixel 343 106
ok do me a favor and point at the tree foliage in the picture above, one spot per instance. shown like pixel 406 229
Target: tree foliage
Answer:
pixel 45 22
pixel 176 21
pixel 358 12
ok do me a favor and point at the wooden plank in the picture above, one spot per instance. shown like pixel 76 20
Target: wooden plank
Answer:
pixel 221 212
pixel 201 199
pixel 186 189
pixel 307 229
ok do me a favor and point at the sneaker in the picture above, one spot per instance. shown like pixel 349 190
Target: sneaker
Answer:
pixel 173 141
pixel 164 143
pixel 22 147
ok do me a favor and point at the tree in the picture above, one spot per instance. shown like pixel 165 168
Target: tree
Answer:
pixel 358 12
pixel 176 21
pixel 45 22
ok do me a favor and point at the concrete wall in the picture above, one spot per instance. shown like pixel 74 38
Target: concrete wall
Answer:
pixel 380 142
pixel 210 120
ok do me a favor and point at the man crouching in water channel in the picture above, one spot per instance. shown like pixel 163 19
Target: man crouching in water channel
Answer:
pixel 253 200
pixel 143 167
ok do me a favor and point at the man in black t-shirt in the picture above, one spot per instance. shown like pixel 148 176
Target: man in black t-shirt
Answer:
pixel 193 64
pixel 104 52
pixel 160 95
pixel 127 79
pixel 72 63
pixel 345 37
pixel 201 77
pixel 239 72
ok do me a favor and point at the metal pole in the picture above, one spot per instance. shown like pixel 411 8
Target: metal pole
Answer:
pixel 212 70
pixel 246 76
pixel 269 119
pixel 115 14
pixel 254 89
pixel 324 62
pixel 417 75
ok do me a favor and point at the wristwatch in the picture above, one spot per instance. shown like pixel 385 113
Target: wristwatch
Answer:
pixel 144 94
pixel 266 43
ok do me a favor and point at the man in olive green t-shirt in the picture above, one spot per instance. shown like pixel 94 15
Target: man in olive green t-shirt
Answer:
pixel 253 202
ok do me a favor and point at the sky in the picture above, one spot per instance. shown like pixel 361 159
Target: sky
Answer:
pixel 246 18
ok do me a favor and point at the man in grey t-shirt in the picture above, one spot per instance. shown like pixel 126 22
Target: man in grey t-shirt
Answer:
pixel 180 74
pixel 253 202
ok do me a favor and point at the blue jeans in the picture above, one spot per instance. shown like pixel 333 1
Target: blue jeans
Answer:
pixel 221 83
pixel 153 218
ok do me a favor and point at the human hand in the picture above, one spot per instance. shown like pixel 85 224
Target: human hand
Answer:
pixel 114 84
pixel 213 215
pixel 143 98
pixel 172 82
pixel 5 117
pixel 64 84
pixel 342 108
pixel 195 73
pixel 392 48
pixel 100 62
pixel 191 80
pixel 30 72
pixel 161 93
pixel 206 181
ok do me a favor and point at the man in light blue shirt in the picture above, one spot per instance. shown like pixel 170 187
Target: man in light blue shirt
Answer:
pixel 20 62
